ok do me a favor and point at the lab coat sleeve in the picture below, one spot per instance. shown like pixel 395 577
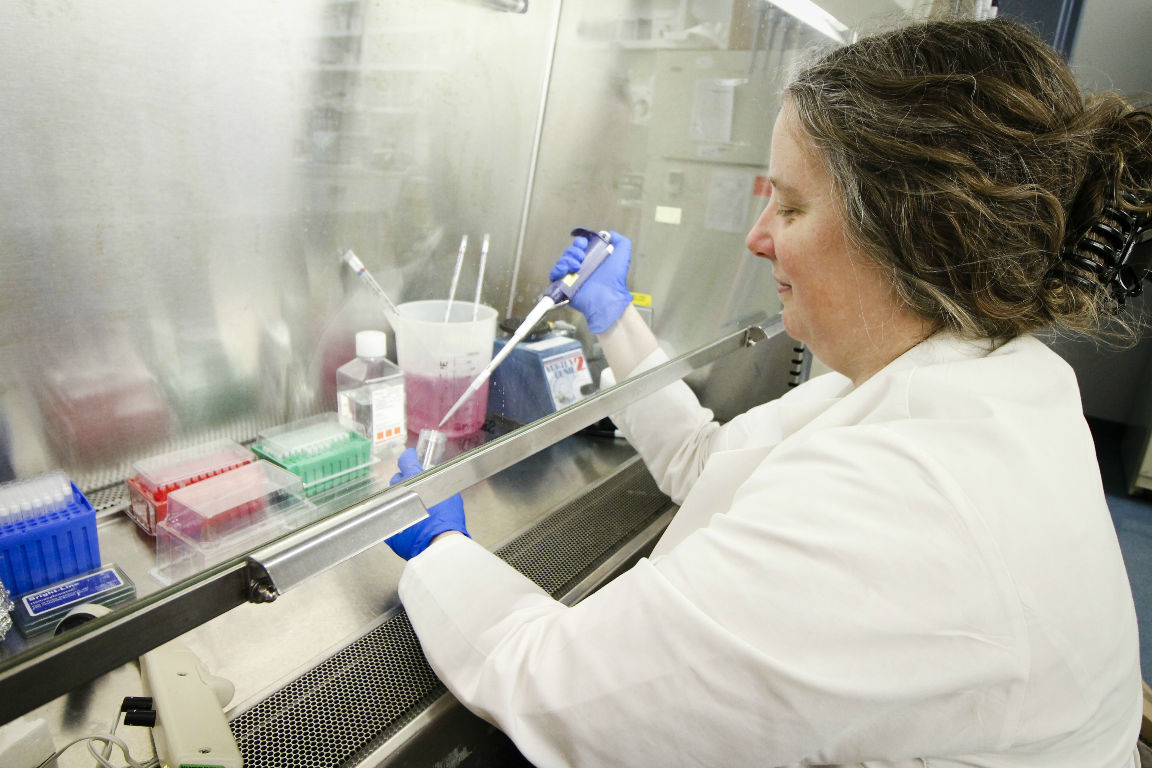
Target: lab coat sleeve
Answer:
pixel 610 681
pixel 810 623
pixel 670 430
pixel 676 435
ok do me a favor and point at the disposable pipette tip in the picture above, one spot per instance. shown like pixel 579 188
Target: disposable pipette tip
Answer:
pixel 475 385
pixel 541 308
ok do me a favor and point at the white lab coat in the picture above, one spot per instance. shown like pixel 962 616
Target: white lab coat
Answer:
pixel 921 571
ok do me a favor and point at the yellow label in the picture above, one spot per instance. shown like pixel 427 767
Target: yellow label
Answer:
pixel 642 299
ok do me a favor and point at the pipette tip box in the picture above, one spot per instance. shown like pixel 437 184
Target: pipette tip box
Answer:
pixel 41 610
pixel 320 450
pixel 225 515
pixel 157 476
pixel 47 532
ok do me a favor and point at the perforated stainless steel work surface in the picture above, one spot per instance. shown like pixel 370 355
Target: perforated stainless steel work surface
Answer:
pixel 346 707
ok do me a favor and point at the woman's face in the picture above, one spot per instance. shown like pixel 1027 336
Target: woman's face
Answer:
pixel 835 299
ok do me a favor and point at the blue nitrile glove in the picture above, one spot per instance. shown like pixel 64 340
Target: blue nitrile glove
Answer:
pixel 448 515
pixel 604 296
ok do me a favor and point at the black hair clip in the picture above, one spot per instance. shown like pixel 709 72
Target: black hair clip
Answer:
pixel 1116 250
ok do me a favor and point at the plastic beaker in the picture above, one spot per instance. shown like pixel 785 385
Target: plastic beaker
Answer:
pixel 440 359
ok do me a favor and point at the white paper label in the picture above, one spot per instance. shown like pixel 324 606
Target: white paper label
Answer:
pixel 387 415
pixel 567 375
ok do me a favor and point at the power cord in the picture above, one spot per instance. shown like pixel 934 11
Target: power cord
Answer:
pixel 103 757
pixel 106 738
pixel 136 710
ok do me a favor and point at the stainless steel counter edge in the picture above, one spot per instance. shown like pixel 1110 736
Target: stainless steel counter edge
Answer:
pixel 105 644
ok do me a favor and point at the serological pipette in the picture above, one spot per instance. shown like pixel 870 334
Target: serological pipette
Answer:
pixel 456 276
pixel 480 276
pixel 358 267
pixel 558 294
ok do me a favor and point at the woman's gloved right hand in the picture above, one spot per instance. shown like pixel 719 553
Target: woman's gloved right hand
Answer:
pixel 446 516
pixel 604 295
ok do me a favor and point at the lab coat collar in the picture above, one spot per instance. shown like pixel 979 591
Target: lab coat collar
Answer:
pixel 884 395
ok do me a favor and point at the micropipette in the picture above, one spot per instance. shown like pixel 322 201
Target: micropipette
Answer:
pixel 558 294
pixel 358 267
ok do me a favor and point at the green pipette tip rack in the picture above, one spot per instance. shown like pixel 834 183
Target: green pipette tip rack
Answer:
pixel 319 450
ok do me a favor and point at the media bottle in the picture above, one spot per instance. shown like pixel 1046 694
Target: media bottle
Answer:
pixel 370 395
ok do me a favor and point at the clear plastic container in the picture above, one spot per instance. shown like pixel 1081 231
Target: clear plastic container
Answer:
pixel 440 358
pixel 370 395
pixel 157 476
pixel 224 516
pixel 320 450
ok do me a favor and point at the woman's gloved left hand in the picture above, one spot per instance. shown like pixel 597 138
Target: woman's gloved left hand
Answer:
pixel 446 516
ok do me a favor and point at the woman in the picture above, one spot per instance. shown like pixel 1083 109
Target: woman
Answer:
pixel 907 562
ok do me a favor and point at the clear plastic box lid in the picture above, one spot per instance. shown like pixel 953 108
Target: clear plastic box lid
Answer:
pixel 306 437
pixel 226 504
pixel 188 465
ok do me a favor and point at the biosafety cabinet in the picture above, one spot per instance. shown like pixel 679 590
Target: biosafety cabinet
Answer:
pixel 184 192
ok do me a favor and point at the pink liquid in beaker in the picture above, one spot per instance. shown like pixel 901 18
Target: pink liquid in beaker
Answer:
pixel 430 398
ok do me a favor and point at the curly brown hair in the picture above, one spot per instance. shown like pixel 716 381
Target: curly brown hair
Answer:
pixel 968 161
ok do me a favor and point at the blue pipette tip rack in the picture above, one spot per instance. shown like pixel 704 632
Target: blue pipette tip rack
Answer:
pixel 46 543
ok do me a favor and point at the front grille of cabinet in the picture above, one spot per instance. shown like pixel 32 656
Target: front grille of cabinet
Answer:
pixel 343 709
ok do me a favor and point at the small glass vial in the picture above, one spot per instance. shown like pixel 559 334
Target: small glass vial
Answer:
pixel 430 447
pixel 370 395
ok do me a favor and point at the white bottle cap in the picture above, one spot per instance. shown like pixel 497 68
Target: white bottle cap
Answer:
pixel 371 344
